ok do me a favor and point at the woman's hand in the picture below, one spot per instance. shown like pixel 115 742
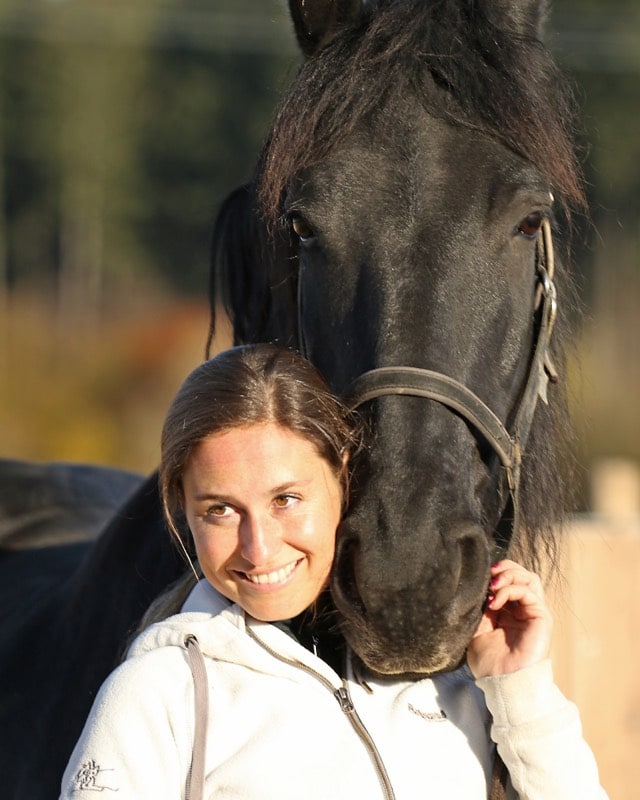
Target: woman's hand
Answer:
pixel 515 630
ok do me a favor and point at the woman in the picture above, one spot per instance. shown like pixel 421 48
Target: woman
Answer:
pixel 249 692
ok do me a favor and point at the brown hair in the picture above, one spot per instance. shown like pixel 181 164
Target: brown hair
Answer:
pixel 247 385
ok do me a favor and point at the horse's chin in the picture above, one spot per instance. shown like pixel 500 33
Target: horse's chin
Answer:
pixel 408 669
pixel 424 642
pixel 419 661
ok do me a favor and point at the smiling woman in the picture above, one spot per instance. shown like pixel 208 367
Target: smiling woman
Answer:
pixel 216 699
pixel 254 439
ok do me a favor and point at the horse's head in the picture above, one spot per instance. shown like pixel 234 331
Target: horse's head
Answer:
pixel 410 164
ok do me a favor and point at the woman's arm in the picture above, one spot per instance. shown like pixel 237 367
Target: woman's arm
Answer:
pixel 131 747
pixel 536 729
pixel 539 736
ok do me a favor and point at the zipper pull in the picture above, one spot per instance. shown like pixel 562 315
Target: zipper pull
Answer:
pixel 342 696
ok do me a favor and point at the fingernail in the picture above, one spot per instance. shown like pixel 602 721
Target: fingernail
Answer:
pixel 494 581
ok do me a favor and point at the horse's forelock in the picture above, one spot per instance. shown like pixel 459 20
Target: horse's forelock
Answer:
pixel 494 79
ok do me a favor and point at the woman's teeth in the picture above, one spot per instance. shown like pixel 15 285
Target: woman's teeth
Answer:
pixel 277 576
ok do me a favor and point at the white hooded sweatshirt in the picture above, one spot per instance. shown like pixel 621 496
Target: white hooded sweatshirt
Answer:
pixel 283 724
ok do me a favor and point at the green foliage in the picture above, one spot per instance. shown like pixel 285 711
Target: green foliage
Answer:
pixel 124 127
pixel 203 116
pixel 600 48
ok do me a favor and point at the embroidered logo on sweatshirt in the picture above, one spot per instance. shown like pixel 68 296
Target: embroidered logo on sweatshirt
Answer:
pixel 91 777
pixel 431 716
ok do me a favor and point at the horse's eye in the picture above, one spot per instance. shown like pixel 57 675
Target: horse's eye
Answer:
pixel 530 225
pixel 302 229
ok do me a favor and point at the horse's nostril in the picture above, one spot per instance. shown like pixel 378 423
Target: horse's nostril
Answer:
pixel 474 552
pixel 473 559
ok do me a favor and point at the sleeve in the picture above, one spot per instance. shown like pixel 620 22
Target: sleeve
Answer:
pixel 539 736
pixel 134 741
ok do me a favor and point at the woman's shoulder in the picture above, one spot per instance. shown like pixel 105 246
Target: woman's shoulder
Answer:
pixel 151 677
pixel 205 615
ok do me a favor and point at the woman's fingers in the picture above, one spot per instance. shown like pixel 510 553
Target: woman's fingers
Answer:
pixel 524 602
pixel 505 572
pixel 515 630
pixel 508 573
pixel 512 583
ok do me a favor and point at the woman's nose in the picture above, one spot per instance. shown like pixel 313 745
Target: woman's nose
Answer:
pixel 259 540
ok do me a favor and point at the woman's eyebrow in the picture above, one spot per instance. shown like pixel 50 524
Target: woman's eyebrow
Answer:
pixel 218 496
pixel 295 482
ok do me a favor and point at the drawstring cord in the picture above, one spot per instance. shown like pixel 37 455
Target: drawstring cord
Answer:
pixel 195 778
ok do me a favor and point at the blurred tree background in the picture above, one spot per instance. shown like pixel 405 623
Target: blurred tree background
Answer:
pixel 123 125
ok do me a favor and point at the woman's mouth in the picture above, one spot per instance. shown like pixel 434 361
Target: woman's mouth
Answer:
pixel 271 578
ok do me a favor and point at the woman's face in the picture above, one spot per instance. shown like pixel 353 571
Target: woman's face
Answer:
pixel 263 508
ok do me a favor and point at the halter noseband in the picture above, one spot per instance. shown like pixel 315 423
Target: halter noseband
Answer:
pixel 425 383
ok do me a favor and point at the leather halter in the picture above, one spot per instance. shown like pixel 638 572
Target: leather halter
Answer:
pixel 454 395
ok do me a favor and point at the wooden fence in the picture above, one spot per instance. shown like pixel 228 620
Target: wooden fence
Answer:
pixel 596 649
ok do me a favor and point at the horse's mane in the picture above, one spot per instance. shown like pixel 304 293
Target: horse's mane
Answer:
pixel 463 62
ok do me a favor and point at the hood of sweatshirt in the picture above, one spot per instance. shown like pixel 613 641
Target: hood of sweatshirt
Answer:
pixel 226 633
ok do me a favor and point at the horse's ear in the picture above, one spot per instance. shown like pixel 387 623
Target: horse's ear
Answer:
pixel 252 278
pixel 316 22
pixel 523 17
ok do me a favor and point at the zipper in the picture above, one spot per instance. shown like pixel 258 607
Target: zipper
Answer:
pixel 346 705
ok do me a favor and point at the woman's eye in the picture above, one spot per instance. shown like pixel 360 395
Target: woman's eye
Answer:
pixel 218 511
pixel 530 225
pixel 285 500
pixel 302 229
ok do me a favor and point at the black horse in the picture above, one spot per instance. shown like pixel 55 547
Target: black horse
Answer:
pixel 397 231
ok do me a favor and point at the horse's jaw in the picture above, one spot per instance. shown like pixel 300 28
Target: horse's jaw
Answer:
pixel 418 623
